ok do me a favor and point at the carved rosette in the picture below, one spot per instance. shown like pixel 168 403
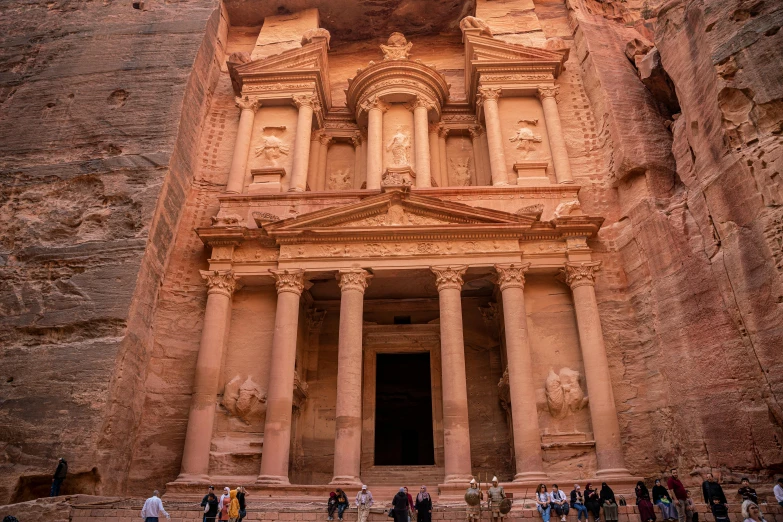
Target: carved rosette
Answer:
pixel 548 92
pixel 511 275
pixel 289 280
pixel 247 103
pixel 580 274
pixel 488 93
pixel 220 281
pixel 353 279
pixel 449 276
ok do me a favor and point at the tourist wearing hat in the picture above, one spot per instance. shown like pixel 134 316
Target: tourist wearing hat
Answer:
pixel 364 503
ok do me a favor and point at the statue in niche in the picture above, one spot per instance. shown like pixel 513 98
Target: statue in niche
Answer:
pixel 461 169
pixel 398 146
pixel 397 47
pixel 340 179
pixel 525 138
pixel 244 400
pixel 564 394
pixel 272 147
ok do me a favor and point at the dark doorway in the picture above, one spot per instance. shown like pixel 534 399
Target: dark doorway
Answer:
pixel 403 410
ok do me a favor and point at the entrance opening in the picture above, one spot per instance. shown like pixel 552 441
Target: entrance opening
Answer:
pixel 403 410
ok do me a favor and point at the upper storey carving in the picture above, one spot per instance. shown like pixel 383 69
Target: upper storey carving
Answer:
pixel 397 79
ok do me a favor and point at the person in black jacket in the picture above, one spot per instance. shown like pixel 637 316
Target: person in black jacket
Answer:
pixel 423 506
pixel 58 477
pixel 210 491
pixel 211 507
pixel 711 489
pixel 400 506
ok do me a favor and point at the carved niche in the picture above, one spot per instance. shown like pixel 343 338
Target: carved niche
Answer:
pixel 527 141
pixel 564 394
pixel 272 147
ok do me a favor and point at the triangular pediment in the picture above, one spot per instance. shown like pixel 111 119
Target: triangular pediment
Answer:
pixel 309 56
pixel 396 210
pixel 484 48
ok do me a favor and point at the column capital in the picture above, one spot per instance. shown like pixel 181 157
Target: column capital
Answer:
pixel 511 275
pixel 325 139
pixel 488 93
pixel 434 128
pixel 548 92
pixel 419 102
pixel 353 279
pixel 580 274
pixel 220 281
pixel 475 131
pixel 374 102
pixel 289 280
pixel 247 103
pixel 442 130
pixel 449 276
pixel 357 139
pixel 307 100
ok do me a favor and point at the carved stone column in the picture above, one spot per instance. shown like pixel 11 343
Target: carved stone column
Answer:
pixel 456 433
pixel 312 168
pixel 527 438
pixel 375 109
pixel 421 143
pixel 488 97
pixel 478 155
pixel 307 104
pixel 348 422
pixel 236 174
pixel 277 428
pixel 443 132
pixel 554 130
pixel 434 154
pixel 217 315
pixel 603 413
pixel 325 141
pixel 357 141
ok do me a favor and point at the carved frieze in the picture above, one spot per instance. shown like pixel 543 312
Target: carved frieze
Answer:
pixel 399 249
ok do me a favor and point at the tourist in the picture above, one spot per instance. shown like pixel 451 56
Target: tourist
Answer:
pixel 719 510
pixel 211 507
pixel 410 504
pixel 678 490
pixel 542 502
pixel 363 503
pixel 241 492
pixel 223 503
pixel 646 509
pixel 747 492
pixel 423 506
pixel 778 491
pixel 342 503
pixel 578 503
pixel 592 502
pixel 559 503
pixel 664 502
pixel 751 512
pixel 331 505
pixel 689 508
pixel 608 502
pixel 711 489
pixel 400 506
pixel 58 477
pixel 233 506
pixel 210 491
pixel 153 507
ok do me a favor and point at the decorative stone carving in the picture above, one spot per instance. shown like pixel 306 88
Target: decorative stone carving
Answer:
pixel 356 139
pixel 261 218
pixel 580 274
pixel 340 179
pixel 244 400
pixel 504 392
pixel 220 281
pixel 319 32
pixel 307 99
pixel 247 103
pixel 272 147
pixel 471 22
pixel 536 208
pixel 315 319
pixel 399 145
pixel 462 172
pixel 289 280
pixel 300 393
pixel 488 93
pixel 353 279
pixel 548 92
pixel 374 102
pixel 476 131
pixel 448 276
pixel 397 47
pixel 227 220
pixel 512 275
pixel 566 208
pixel 526 139
pixel 564 393
pixel 398 177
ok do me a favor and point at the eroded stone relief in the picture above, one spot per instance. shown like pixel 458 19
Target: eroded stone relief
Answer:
pixel 527 141
pixel 399 145
pixel 461 170
pixel 272 147
pixel 564 394
pixel 244 399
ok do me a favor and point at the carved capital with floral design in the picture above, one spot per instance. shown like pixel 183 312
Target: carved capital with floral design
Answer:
pixel 220 281
pixel 246 103
pixel 511 275
pixel 580 274
pixel 357 139
pixel 488 93
pixel 374 103
pixel 353 279
pixel 443 131
pixel 475 131
pixel 325 139
pixel 548 92
pixel 449 276
pixel 289 280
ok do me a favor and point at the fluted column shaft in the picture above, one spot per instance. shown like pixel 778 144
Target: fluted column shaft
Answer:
pixel 236 174
pixel 554 131
pixel 280 394
pixel 307 104
pixel 348 421
pixel 375 109
pixel 603 413
pixel 497 157
pixel 456 432
pixel 527 437
pixel 198 438
pixel 421 144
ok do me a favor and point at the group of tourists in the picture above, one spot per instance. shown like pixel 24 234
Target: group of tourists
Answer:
pixel 589 501
pixel 229 507
pixel 403 507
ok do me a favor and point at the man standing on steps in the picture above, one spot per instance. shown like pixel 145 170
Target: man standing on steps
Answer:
pixel 711 489
pixel 680 494
pixel 58 477
pixel 364 503
pixel 205 500
pixel 153 507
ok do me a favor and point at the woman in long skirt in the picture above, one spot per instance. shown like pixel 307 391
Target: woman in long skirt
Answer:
pixel 609 503
pixel 592 502
pixel 664 502
pixel 400 506
pixel 423 506
pixel 646 509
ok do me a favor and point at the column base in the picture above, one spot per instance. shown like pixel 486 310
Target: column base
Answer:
pixel 500 184
pixel 272 480
pixel 566 182
pixel 457 479
pixel 295 189
pixel 345 480
pixel 189 478
pixel 531 476
pixel 620 473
